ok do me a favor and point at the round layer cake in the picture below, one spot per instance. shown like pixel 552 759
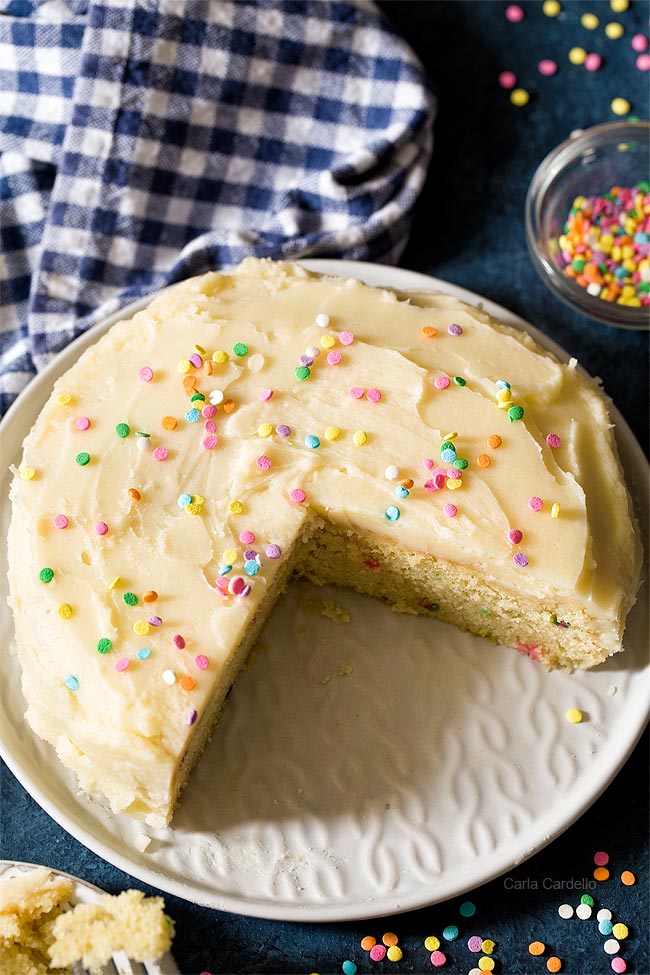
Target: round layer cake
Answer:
pixel 269 421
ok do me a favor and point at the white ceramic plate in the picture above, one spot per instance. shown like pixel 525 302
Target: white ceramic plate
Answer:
pixel 439 763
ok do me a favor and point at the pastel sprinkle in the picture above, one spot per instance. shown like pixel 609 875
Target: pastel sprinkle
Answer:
pixel 475 943
pixel 467 909
pixel 450 933
pixel 494 441
pixel 312 441
pixel 192 415
pixel 374 395
pixel 553 440
pixel 565 911
pixel 122 664
pixel 507 80
pixel 135 494
pixel 71 683
pixel 265 394
pixel 601 859
pixel 251 567
pixel 141 628
pixel 536 948
pixel 65 611
pixel 483 460
pixel 145 373
pixel 611 946
pixel 104 645
pixel 401 492
pixel 583 911
pixel 619 965
pixel 169 423
pixel 551 8
pixel 460 381
pixel 143 443
pixel 450 510
pixel 620 106
pixel 346 338
pixel 130 599
pixel 431 943
pixel 593 62
pixel 264 430
pixel 273 551
pixel 378 953
pixel 601 874
pixel 519 97
pixel 178 641
pixel 322 320
pixel 628 878
pixel 201 661
pixel 357 392
pixel 587 899
pixel 82 423
pixel 442 382
pixel 639 43
pixel 392 513
pixel 554 964
pixel 240 349
pixel 643 64
pixel 454 329
pixel 332 433
pixel 61 521
pixel 160 453
pixel 368 942
pixel 328 341
pixel 438 959
pixel 577 55
pixel 614 31
pixel 620 931
pixel 535 504
pixel 349 968
pixel 488 946
pixel 428 331
pixel 520 560
pixel 220 357
pixel 486 964
pixel 514 13
pixel 515 413
pixel 394 953
pixel 143 653
pixel 46 575
pixel 555 510
pixel 515 536
pixel 360 437
pixel 210 442
pixel 604 914
pixel 83 459
pixel 101 528
pixel 391 473
pixel 191 717
pixel 547 67
pixel 28 473
pixel 297 495
pixel 283 430
pixel 302 372
pixel 169 677
pixel 589 21
pixel 334 357
pixel 183 500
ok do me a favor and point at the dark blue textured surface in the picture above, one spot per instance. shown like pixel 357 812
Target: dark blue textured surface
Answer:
pixel 469 230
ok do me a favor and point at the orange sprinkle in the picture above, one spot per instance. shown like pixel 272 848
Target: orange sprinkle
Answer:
pixel 601 873
pixel 628 878
pixel 187 683
pixel 150 596
pixel 483 460
pixel 229 406
pixel 207 367
pixel 169 423
pixel 407 483
pixel 189 381
pixel 554 964
pixel 135 494
pixel 428 331
pixel 368 942
pixel 494 441
pixel 537 948
pixel 389 939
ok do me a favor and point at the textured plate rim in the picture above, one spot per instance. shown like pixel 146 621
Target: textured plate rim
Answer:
pixel 516 852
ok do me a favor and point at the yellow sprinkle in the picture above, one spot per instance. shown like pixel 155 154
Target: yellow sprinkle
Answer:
pixel 505 405
pixel 620 106
pixel 504 395
pixel 454 483
pixel 488 946
pixel 65 611
pixel 574 715
pixel 28 473
pixel 519 97
pixel 577 55
pixel 184 366
pixel 360 437
pixel 394 953
pixel 64 399
pixel 193 508
pixel 431 943
pixel 450 436
pixel 236 507
pixel 328 341
pixel 614 30
pixel 220 357
pixel 555 510
pixel 229 556
pixel 264 430
pixel 332 433
pixel 141 627
pixel 551 8
pixel 619 6
pixel 199 349
pixel 486 964
pixel 620 931
pixel 197 499
pixel 589 21
pixel 115 583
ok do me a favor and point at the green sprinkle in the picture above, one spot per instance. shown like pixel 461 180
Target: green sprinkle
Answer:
pixel 122 430
pixel 302 372
pixel 240 349
pixel 578 264
pixel 433 607
pixel 46 575
pixel 447 445
pixel 486 612
pixel 515 413
pixel 72 683
pixel 460 381
pixel 139 433
pixel 587 899
pixel 104 645
pixel 461 464
pixel 82 459
pixel 467 909
pixel 196 396
pixel 130 599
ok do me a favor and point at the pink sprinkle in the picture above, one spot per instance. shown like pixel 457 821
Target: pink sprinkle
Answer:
pixel 160 453
pixel 202 661
pixel 264 463
pixel 334 357
pixel 297 495
pixel 101 527
pixel 428 464
pixel 374 395
pixel 619 964
pixel 601 859
pixel 237 585
pixel 436 483
pixel 191 718
pixel 179 641
pixel 547 67
pixel 357 392
pixel 475 943
pixel 155 620
pixel 451 511
pixel 515 536
pixel 593 62
pixel 146 374
pixel 507 80
pixel 273 551
pixel 553 440
pixel 378 953
pixel 265 394
pixel 535 504
pixel 643 62
pixel 520 560
pixel 208 411
pixel 221 582
pixel 61 521
pixel 454 474
pixel 346 338
pixel 441 382
pixel 438 959
pixel 211 441
pixel 122 664
pixel 639 43
pixel 82 423
pixel 514 13
pixel 196 360
pixel 247 538
pixel 210 426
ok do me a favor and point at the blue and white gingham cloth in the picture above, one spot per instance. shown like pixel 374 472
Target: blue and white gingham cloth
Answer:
pixel 146 141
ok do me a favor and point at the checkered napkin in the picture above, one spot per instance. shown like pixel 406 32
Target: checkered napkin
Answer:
pixel 145 141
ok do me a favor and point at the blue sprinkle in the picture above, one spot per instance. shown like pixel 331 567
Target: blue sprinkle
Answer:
pixel 312 441
pixel 449 456
pixel 605 927
pixel 401 492
pixel 393 512
pixel 251 568
pixel 225 569
pixel 349 968
pixel 502 384
pixel 184 500
pixel 450 933
pixel 193 415
pixel 143 653
pixel 72 683
pixel 467 909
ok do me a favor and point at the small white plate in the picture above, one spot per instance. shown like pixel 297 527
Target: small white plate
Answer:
pixel 439 763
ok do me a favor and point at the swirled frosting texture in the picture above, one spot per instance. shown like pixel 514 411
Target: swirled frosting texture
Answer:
pixel 123 719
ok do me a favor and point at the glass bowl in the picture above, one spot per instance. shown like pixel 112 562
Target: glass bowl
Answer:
pixel 589 163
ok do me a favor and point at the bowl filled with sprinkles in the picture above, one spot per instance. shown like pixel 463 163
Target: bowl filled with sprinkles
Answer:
pixel 588 222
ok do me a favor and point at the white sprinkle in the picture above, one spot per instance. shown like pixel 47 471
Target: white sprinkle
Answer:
pixel 391 473
pixel 565 911
pixel 604 914
pixel 313 352
pixel 255 363
pixel 216 397
pixel 476 971
pixel 593 289
pixel 612 946
pixel 141 841
pixel 169 677
pixel 583 911
pixel 322 320
pixel 143 443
